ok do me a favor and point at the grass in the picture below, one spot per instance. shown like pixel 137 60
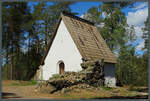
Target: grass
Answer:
pixel 104 92
pixel 25 83
pixel 107 92
pixel 83 94
pixel 138 89
pixel 105 88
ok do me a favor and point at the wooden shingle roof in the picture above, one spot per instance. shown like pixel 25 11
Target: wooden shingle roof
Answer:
pixel 86 37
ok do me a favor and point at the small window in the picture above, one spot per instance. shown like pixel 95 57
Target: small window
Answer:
pixel 81 41
pixel 93 34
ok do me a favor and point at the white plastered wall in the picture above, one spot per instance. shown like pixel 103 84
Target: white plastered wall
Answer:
pixel 109 72
pixel 63 49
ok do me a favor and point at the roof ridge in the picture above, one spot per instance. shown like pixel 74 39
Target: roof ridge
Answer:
pixel 91 50
pixel 77 18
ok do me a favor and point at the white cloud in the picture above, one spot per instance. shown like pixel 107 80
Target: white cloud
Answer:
pixel 141 6
pixel 24 50
pixel 82 16
pixel 140 46
pixel 138 31
pixel 104 14
pixel 137 18
pixel 100 25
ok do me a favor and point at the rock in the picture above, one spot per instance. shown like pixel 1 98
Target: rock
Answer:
pixel 35 90
pixel 47 89
pixel 93 75
pixel 63 90
pixel 101 89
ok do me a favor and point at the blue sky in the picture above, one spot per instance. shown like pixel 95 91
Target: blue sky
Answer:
pixel 135 16
pixel 82 7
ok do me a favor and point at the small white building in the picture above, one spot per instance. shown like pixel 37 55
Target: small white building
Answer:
pixel 74 41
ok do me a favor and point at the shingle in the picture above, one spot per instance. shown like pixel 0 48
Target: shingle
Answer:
pixel 95 47
pixel 86 37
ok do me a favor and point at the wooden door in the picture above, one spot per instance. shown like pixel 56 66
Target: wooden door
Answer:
pixel 61 68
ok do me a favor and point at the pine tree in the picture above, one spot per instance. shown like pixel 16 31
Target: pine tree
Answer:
pixel 14 32
pixel 145 34
pixel 40 28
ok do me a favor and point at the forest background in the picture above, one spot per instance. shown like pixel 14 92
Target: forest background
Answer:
pixel 28 27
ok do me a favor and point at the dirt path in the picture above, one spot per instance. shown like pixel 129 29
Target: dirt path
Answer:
pixel 23 92
pixel 29 92
pixel 10 91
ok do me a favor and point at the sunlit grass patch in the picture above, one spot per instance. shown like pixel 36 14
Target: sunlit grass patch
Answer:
pixel 24 83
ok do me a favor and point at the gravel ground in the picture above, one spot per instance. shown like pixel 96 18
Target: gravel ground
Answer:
pixel 21 92
pixel 10 91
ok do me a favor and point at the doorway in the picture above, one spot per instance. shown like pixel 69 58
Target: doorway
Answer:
pixel 61 68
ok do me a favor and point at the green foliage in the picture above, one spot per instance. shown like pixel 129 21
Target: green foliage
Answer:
pixel 26 35
pixel 114 26
pixel 113 22
pixel 131 69
pixel 4 73
pixel 23 71
pixel 145 34
pixel 93 15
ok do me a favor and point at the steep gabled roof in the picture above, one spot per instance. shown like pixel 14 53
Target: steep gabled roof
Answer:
pixel 86 37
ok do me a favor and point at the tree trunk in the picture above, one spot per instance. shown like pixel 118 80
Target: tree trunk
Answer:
pixel 12 62
pixel 46 34
pixel 7 62
pixel 27 76
pixel 16 71
pixel 37 44
pixel 12 50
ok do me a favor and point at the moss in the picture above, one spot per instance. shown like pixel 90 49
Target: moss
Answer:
pixel 105 88
pixel 56 76
pixel 87 64
pixel 92 63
